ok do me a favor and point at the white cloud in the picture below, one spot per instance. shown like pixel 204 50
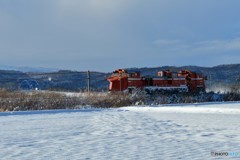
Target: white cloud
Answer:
pixel 92 7
pixel 217 45
pixel 166 42
pixel 233 44
pixel 203 47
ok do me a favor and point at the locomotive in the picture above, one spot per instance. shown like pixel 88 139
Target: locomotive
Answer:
pixel 181 81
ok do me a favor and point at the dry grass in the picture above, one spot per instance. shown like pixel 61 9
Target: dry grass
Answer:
pixel 21 101
pixel 15 101
pixel 109 100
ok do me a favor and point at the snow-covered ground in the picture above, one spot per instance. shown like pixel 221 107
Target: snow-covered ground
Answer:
pixel 196 131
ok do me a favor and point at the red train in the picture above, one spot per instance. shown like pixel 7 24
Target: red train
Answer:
pixel 183 80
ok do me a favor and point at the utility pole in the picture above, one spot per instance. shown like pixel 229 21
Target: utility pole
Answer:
pixel 238 84
pixel 88 82
pixel 120 82
pixel 210 79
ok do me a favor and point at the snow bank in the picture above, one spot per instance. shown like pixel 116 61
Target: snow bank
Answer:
pixel 219 108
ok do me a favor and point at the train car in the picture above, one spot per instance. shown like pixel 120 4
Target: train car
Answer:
pixel 183 80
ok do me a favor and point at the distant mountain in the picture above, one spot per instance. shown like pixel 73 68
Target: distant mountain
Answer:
pixel 219 77
pixel 68 80
pixel 64 80
pixel 28 69
pixel 229 73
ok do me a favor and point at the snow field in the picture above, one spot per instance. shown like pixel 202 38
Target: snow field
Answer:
pixel 161 132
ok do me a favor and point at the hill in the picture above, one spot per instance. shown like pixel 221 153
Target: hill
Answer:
pixel 28 69
pixel 75 80
pixel 222 74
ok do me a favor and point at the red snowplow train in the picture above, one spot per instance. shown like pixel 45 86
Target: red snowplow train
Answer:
pixel 183 81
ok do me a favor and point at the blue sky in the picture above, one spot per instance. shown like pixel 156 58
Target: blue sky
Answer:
pixel 102 35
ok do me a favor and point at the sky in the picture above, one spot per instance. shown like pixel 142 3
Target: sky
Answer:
pixel 103 35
